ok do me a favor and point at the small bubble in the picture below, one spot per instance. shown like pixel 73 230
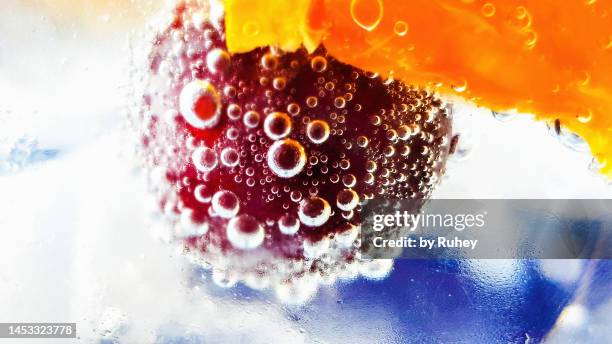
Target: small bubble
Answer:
pixel 279 83
pixel 269 61
pixel 204 159
pixel 531 39
pixel 585 118
pixel 293 109
pixel 295 196
pixel 225 204
pixel 203 193
pixel 314 211
pixel 217 60
pixel 245 232
pixel 400 28
pixel 200 104
pixel 277 125
pixel 488 10
pixel 339 102
pixel 251 119
pixel 318 64
pixel 286 158
pixel 461 87
pixel 230 157
pixel 362 141
pixel 288 224
pixel 347 199
pixel 234 111
pixel 311 101
pixel 318 131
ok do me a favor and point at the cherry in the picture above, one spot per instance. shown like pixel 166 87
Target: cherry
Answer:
pixel 268 155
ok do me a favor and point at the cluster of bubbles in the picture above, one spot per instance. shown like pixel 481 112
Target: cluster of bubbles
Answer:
pixel 261 161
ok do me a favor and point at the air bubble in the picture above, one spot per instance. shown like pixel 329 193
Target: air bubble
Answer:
pixel 189 228
pixel 367 14
pixel 362 141
pixel 286 158
pixel 400 28
pixel 318 131
pixel 225 204
pixel 202 193
pixel 269 61
pixel 347 199
pixel 234 111
pixel 488 10
pixel 314 211
pixel 288 224
pixel 251 119
pixel 245 232
pixel 293 109
pixel 311 101
pixel 339 102
pixel 200 104
pixel 279 83
pixel 318 64
pixel 217 60
pixel 204 159
pixel 277 125
pixel 229 157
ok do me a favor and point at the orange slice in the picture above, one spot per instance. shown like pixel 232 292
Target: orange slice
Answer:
pixel 549 58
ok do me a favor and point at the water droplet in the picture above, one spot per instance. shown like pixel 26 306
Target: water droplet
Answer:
pixel 200 104
pixel 245 232
pixel 286 158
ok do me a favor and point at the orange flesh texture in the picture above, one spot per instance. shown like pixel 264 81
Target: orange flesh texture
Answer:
pixel 543 57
